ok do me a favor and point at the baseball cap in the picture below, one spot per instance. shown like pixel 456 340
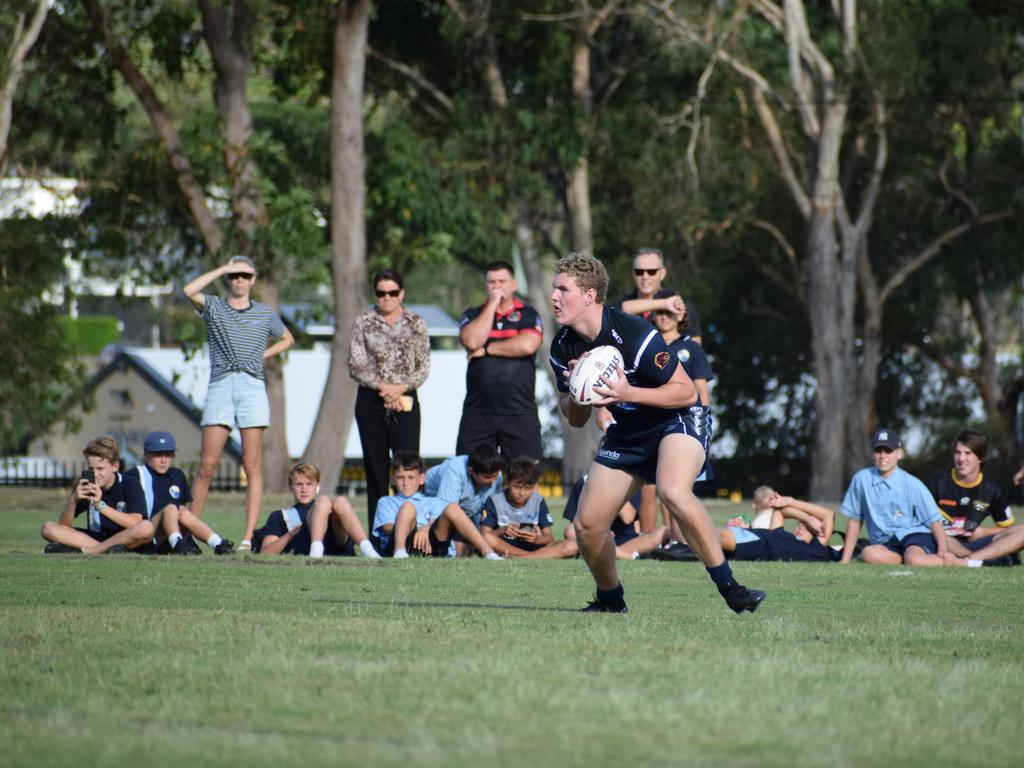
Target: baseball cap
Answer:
pixel 886 438
pixel 159 442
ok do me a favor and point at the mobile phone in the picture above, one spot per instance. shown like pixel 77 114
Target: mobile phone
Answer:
pixel 526 526
pixel 291 518
pixel 89 475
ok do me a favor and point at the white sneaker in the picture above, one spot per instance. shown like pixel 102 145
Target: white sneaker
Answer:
pixel 400 554
pixel 366 550
pixel 493 556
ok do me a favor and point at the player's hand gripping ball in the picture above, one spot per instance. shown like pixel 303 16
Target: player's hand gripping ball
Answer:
pixel 595 363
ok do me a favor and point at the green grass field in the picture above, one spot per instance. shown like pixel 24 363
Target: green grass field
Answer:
pixel 126 660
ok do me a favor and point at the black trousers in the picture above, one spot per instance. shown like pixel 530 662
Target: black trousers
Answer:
pixel 515 435
pixel 381 432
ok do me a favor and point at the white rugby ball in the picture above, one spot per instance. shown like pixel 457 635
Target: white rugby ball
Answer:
pixel 595 363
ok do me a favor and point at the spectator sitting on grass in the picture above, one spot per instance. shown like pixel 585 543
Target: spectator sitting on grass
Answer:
pixel 516 522
pixel 467 481
pixel 902 519
pixel 808 542
pixel 114 504
pixel 966 498
pixel 409 520
pixel 312 526
pixel 167 499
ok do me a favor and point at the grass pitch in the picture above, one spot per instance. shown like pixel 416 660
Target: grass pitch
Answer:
pixel 124 659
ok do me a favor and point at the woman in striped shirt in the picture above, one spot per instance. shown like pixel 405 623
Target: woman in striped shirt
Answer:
pixel 238 331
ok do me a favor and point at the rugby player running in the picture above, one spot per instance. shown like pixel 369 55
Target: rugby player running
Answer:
pixel 661 434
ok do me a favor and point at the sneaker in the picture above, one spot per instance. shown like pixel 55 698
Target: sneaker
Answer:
pixel 117 549
pixel 54 548
pixel 245 546
pixel 741 599
pixel 999 562
pixel 596 606
pixel 226 547
pixel 493 556
pixel 187 546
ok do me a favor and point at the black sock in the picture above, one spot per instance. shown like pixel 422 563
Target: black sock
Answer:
pixel 721 575
pixel 613 596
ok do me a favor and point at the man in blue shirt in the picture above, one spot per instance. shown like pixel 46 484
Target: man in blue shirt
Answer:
pixel 903 522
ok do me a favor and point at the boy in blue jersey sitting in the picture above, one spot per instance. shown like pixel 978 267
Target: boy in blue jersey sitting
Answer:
pixel 516 522
pixel 313 525
pixel 467 481
pixel 424 524
pixel 167 501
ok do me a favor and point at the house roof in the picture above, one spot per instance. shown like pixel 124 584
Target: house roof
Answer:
pixel 301 316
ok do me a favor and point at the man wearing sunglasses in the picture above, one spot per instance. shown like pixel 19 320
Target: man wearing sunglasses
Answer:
pixel 500 338
pixel 648 273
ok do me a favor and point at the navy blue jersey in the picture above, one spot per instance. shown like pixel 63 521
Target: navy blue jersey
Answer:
pixel 694 359
pixel 124 495
pixel 276 526
pixel 161 490
pixel 647 362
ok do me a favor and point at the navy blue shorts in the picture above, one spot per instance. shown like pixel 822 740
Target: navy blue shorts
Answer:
pixel 98 535
pixel 625 535
pixel 526 546
pixel 778 545
pixel 638 454
pixel 981 543
pixel 438 548
pixel 923 540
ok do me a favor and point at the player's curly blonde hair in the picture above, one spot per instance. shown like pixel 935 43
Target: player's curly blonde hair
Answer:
pixel 587 271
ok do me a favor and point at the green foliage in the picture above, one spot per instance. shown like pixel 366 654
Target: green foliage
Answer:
pixel 40 369
pixel 89 334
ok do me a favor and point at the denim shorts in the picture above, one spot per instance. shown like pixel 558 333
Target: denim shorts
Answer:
pixel 237 400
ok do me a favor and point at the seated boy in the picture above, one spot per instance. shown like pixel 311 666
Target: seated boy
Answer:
pixel 167 499
pixel 516 522
pixel 312 526
pixel 629 543
pixel 809 541
pixel 411 520
pixel 114 503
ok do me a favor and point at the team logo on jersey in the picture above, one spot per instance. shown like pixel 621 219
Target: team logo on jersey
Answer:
pixel 605 454
pixel 683 355
pixel 175 492
pixel 980 506
pixel 615 335
pixel 661 359
pixel 965 500
pixel 122 506
pixel 515 316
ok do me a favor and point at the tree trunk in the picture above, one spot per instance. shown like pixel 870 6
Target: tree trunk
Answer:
pixel 21 43
pixel 348 235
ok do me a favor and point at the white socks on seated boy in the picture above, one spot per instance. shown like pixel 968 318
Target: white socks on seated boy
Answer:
pixel 316 549
pixel 367 550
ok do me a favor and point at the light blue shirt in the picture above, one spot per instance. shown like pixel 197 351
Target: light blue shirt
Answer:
pixel 898 505
pixel 450 481
pixel 388 506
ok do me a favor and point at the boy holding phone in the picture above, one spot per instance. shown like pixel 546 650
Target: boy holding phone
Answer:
pixel 313 525
pixel 167 500
pixel 117 515
pixel 516 522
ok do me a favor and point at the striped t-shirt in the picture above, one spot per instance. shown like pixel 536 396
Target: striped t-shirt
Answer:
pixel 238 337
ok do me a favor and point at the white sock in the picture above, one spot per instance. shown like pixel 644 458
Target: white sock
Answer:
pixel 974 563
pixel 173 539
pixel 367 549
pixel 492 555
pixel 635 556
pixel 400 554
pixel 316 549
pixel 214 540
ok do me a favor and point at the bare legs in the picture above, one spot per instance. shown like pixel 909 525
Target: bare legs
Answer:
pixel 215 437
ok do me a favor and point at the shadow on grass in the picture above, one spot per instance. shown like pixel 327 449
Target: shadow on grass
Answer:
pixel 425 604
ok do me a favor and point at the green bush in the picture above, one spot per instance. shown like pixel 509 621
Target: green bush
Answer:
pixel 89 334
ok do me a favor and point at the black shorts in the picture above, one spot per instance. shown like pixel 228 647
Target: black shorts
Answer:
pixel 98 535
pixel 777 545
pixel 438 548
pixel 923 540
pixel 637 454
pixel 526 546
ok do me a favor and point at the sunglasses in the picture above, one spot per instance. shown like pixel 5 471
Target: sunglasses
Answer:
pixel 239 276
pixel 393 294
pixel 648 272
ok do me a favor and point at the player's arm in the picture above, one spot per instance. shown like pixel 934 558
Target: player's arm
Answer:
pixel 122 519
pixel 574 413
pixel 194 290
pixel 474 333
pixel 275 545
pixel 939 534
pixel 850 542
pixel 820 518
pixel 78 493
pixel 701 385
pixel 677 392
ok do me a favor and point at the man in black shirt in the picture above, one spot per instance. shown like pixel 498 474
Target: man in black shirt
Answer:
pixel 660 432
pixel 117 516
pixel 648 274
pixel 966 498
pixel 500 338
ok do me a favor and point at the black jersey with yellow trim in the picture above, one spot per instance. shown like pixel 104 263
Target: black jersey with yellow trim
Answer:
pixel 965 506
pixel 647 362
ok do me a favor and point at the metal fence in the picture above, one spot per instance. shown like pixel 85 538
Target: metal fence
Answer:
pixel 62 474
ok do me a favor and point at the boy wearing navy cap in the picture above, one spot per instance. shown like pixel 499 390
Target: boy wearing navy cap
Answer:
pixel 167 501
